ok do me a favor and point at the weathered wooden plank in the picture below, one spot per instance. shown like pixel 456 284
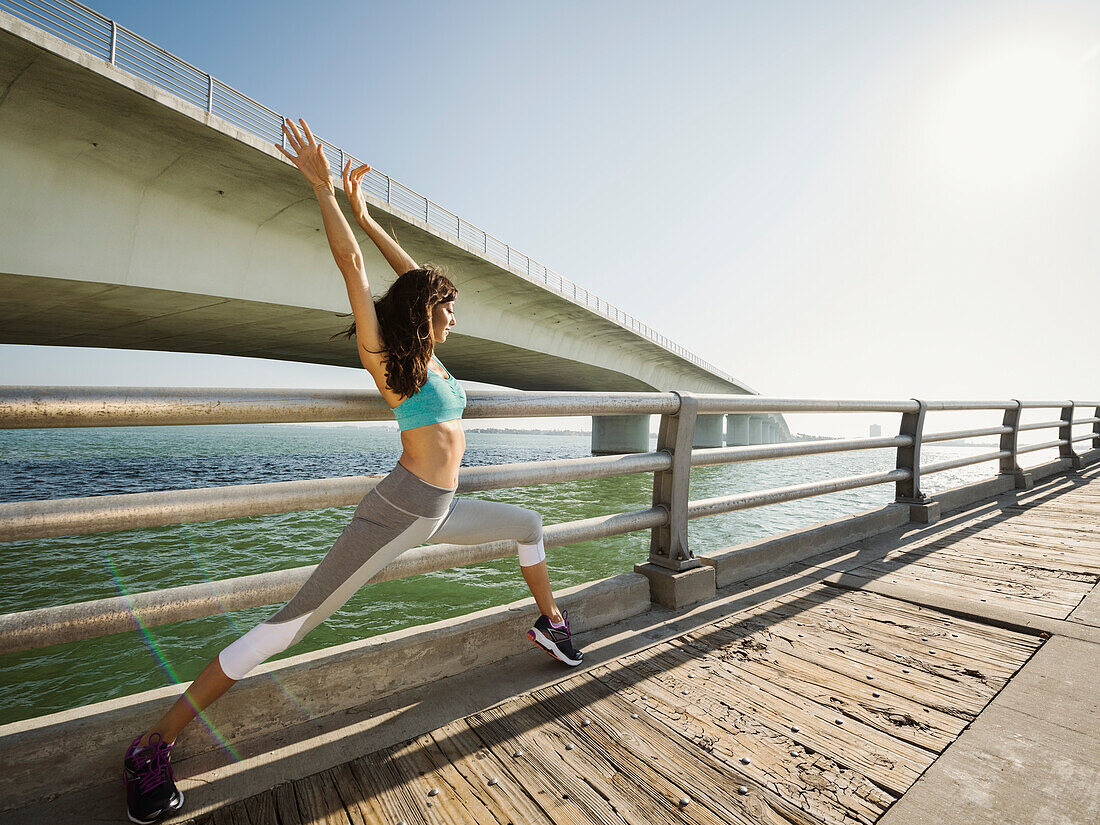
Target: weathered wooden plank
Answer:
pixel 413 756
pixel 985 573
pixel 983 642
pixel 507 733
pixel 286 804
pixel 233 814
pixel 891 712
pixel 261 808
pixel 967 590
pixel 458 744
pixel 890 763
pixel 582 765
pixel 714 738
pixel 895 622
pixel 385 792
pixel 1000 571
pixel 359 804
pixel 1041 593
pixel 318 802
pixel 1068 565
pixel 821 624
pixel 951 698
pixel 706 756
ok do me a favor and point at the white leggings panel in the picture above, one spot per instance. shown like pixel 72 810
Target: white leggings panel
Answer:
pixel 257 645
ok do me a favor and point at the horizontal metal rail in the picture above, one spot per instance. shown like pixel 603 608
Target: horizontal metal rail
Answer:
pixel 128 52
pixel 1043 426
pixel 1046 446
pixel 957 434
pixel 928 469
pixel 23 520
pixel 744 501
pixel 84 620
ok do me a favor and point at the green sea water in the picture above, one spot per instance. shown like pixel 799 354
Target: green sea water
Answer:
pixel 38 464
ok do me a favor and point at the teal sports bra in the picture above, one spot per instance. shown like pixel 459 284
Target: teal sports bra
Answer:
pixel 440 399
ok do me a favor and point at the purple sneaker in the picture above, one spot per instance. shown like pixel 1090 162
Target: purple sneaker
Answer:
pixel 151 792
pixel 556 640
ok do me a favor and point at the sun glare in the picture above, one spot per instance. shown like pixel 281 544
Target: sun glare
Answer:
pixel 1010 113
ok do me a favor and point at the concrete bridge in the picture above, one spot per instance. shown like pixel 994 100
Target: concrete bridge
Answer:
pixel 134 217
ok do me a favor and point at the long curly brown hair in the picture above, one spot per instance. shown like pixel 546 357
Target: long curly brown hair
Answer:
pixel 405 325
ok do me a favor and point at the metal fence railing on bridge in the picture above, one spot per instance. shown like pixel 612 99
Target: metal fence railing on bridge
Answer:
pixel 666 518
pixel 128 52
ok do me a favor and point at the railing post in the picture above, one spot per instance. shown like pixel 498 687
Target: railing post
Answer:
pixel 668 545
pixel 114 41
pixel 209 94
pixel 921 507
pixel 1065 433
pixel 676 578
pixel 1011 442
pixel 387 188
pixel 1096 429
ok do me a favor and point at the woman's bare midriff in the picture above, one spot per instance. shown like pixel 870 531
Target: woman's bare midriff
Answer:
pixel 434 453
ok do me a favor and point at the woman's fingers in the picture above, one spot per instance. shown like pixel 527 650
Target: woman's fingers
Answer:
pixel 309 134
pixel 291 140
pixel 294 135
pixel 285 152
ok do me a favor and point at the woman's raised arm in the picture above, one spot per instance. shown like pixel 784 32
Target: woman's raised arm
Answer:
pixel 311 161
pixel 390 249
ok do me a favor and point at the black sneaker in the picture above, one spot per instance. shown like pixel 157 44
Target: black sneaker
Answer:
pixel 151 791
pixel 557 641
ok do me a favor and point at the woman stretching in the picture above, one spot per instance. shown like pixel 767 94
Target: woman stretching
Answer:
pixel 396 336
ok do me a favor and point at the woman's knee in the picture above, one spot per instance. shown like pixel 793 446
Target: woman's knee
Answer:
pixel 532 524
pixel 256 646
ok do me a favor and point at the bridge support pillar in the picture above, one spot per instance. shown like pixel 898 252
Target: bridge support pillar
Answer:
pixel 613 434
pixel 756 429
pixel 708 431
pixel 737 430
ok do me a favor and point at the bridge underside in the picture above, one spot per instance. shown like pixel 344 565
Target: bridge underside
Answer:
pixel 59 312
pixel 134 220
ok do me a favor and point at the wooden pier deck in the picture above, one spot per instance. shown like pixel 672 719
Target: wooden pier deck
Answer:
pixel 823 704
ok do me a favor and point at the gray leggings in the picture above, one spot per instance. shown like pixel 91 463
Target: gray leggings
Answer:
pixel 401 512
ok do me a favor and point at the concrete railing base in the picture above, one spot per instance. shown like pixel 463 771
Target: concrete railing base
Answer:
pixel 961 497
pixel 928 513
pixel 746 561
pixel 674 590
pixel 64 752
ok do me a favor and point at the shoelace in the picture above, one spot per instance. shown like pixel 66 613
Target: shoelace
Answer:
pixel 561 634
pixel 157 769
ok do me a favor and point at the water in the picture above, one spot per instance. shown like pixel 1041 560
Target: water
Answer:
pixel 41 464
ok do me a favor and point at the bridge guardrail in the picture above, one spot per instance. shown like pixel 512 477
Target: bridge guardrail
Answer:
pixel 102 37
pixel 22 407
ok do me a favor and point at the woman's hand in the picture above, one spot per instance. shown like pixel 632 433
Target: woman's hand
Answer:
pixel 352 178
pixel 310 160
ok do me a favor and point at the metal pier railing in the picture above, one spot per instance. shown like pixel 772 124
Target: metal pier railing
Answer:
pixel 34 407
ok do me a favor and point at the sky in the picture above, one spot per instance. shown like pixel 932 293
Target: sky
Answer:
pixel 877 200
